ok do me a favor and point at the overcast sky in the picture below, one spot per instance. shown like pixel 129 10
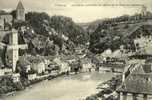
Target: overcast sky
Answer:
pixel 79 13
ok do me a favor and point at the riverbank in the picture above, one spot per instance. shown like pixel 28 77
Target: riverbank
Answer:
pixel 107 90
pixel 72 87
pixel 9 88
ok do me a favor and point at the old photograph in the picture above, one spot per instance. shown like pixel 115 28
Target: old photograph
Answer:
pixel 75 49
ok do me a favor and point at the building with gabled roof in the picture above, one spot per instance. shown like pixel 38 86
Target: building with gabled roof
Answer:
pixel 137 84
pixel 6 19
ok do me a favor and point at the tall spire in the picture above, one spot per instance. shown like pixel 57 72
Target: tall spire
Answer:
pixel 20 12
pixel 20 5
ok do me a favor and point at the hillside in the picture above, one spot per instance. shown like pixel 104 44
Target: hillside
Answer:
pixel 47 35
pixel 43 24
pixel 113 33
pixel 91 26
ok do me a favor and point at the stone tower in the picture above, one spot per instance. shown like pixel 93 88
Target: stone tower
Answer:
pixel 20 12
pixel 13 49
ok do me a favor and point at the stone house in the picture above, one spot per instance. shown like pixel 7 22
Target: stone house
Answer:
pixel 86 64
pixel 7 71
pixel 39 67
pixel 16 77
pixel 64 66
pixel 27 68
pixel 137 84
pixel 69 59
pixel 23 64
pixel 104 69
pixel 33 63
pixel 53 68
pixel 5 19
pixel 118 68
pixel 32 76
pixel 2 73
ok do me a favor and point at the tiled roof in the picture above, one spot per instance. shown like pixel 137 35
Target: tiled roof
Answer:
pixel 140 69
pixel 68 57
pixel 85 60
pixel 137 69
pixel 137 83
pixel 147 68
pixel 28 59
pixel 139 80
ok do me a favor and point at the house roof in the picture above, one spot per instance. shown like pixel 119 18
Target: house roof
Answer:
pixel 68 57
pixel 149 60
pixel 29 59
pixel 147 68
pixel 139 81
pixel 20 5
pixel 140 68
pixel 85 60
pixel 23 61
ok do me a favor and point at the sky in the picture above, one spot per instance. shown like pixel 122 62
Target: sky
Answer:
pixel 81 11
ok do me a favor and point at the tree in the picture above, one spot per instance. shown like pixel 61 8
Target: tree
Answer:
pixel 13 13
pixel 39 22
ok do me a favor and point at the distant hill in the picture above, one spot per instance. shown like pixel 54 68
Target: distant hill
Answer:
pixel 91 26
pixel 43 24
pixel 66 26
pixel 112 33
pixel 59 33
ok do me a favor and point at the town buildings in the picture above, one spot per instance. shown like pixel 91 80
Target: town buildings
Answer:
pixel 30 63
pixel 6 22
pixel 13 49
pixel 87 65
pixel 6 19
pixel 16 77
pixel 137 83
pixel 64 65
pixel 39 67
pixel 32 77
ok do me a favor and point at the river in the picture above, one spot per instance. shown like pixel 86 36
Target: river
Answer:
pixel 74 87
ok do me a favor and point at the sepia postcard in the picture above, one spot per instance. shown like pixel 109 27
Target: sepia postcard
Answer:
pixel 75 49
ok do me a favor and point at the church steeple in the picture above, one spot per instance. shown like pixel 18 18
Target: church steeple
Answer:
pixel 20 5
pixel 20 12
